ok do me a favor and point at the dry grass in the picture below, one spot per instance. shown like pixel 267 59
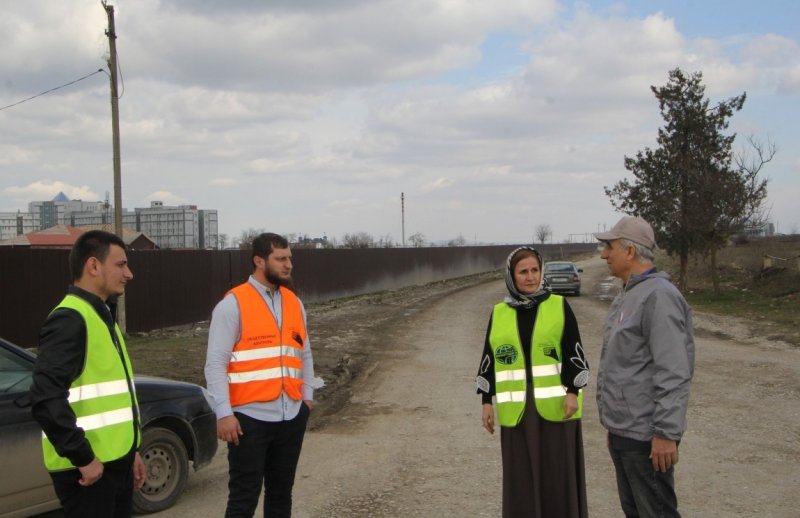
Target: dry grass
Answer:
pixel 770 296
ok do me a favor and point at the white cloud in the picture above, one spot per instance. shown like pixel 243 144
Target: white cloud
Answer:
pixel 223 182
pixel 47 190
pixel 790 82
pixel 331 109
pixel 438 184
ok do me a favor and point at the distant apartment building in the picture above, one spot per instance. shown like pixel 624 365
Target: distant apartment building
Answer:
pixel 763 229
pixel 209 229
pixel 89 218
pixel 183 226
pixel 58 210
pixel 13 224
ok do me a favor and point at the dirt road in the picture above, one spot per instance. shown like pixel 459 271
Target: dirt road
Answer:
pixel 409 441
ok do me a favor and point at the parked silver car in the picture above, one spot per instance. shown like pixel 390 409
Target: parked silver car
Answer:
pixel 178 425
pixel 563 277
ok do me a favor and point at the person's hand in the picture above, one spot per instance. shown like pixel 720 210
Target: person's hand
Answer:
pixel 663 453
pixel 570 405
pixel 139 472
pixel 91 472
pixel 487 415
pixel 228 429
pixel 309 404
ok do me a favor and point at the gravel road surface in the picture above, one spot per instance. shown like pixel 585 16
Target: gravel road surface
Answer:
pixel 404 438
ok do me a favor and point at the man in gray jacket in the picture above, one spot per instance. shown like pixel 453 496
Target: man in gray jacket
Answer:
pixel 646 366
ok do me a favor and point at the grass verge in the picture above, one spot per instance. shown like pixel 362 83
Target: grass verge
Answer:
pixel 770 297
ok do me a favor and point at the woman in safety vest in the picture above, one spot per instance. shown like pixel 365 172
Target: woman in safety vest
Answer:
pixel 533 364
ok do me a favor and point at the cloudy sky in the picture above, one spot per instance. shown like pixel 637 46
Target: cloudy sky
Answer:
pixel 313 116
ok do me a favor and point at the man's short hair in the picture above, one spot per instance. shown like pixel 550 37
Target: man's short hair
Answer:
pixel 643 254
pixel 265 243
pixel 94 243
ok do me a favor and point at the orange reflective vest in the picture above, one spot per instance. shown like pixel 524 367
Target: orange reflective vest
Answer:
pixel 267 359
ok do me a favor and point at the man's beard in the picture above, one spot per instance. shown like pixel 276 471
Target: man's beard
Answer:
pixel 279 281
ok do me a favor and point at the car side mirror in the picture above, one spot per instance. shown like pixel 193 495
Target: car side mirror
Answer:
pixel 580 270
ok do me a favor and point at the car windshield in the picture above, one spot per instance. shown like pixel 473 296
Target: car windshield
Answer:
pixel 550 268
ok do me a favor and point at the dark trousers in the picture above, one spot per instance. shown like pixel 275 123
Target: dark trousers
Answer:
pixel 267 454
pixel 643 491
pixel 110 497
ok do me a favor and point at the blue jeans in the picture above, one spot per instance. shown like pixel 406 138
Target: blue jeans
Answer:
pixel 643 491
pixel 267 455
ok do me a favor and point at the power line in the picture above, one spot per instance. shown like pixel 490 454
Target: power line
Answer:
pixel 52 89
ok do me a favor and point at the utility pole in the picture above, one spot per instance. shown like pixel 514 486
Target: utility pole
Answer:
pixel 403 216
pixel 112 69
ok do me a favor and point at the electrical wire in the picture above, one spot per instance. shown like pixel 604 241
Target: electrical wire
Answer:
pixel 52 89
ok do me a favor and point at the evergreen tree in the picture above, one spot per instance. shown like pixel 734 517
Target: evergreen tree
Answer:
pixel 686 188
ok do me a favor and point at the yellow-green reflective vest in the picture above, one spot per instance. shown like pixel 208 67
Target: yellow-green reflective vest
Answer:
pixel 101 397
pixel 509 363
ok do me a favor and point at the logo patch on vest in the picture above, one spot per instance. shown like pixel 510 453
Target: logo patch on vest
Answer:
pixel 506 354
pixel 551 352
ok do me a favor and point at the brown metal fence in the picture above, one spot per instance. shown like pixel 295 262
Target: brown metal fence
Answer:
pixel 174 287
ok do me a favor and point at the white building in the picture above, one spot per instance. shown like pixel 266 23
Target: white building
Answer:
pixel 183 226
pixel 209 231
pixel 58 210
pixel 87 218
pixel 13 224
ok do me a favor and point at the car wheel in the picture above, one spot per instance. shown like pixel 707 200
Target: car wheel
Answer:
pixel 167 468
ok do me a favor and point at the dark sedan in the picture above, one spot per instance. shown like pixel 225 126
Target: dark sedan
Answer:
pixel 178 426
pixel 563 277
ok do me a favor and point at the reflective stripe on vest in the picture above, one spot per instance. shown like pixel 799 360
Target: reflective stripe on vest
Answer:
pixel 509 362
pixel 100 396
pixel 267 359
pixel 548 392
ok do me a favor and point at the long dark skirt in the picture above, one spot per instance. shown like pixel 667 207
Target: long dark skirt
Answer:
pixel 543 468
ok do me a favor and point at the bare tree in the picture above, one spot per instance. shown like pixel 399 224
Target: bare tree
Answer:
pixel 385 241
pixel 542 232
pixel 417 240
pixel 737 201
pixel 246 237
pixel 222 241
pixel 358 240
pixel 749 162
pixel 459 241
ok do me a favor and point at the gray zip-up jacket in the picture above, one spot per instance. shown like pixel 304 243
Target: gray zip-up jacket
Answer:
pixel 647 360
